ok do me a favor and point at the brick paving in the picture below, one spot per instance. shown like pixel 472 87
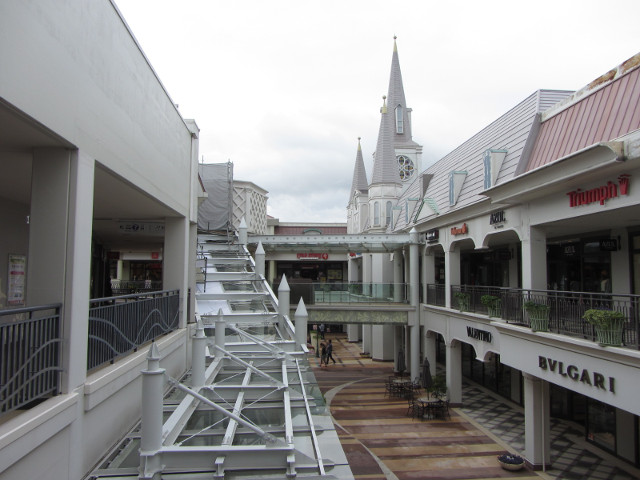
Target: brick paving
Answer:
pixel 383 443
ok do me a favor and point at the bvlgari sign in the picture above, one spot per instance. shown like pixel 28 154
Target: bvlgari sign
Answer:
pixel 600 194
pixel 582 375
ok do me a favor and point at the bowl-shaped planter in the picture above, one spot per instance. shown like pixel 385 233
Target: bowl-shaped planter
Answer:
pixel 511 462
pixel 493 303
pixel 609 325
pixel 538 316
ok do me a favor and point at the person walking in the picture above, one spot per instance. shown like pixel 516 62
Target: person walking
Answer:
pixel 321 328
pixel 330 353
pixel 323 354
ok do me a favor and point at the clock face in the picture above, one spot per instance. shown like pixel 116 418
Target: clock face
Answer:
pixel 406 167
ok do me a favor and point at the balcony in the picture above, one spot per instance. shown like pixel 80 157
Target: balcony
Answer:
pixel 350 293
pixel 566 309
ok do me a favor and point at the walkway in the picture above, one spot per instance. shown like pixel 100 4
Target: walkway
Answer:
pixel 382 443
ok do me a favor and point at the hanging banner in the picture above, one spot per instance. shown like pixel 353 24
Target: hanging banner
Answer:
pixel 17 274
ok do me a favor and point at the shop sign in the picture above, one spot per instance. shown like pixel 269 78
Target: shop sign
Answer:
pixel 609 245
pixel 460 230
pixel 570 249
pixel 433 235
pixel 599 194
pixel 17 273
pixel 497 219
pixel 140 227
pixel 317 256
pixel 478 334
pixel 593 379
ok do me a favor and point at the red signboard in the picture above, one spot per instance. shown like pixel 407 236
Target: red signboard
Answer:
pixel 599 194
pixel 315 256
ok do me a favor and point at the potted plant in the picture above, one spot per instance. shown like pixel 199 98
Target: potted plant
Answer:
pixel 511 462
pixel 538 316
pixel 609 325
pixel 437 387
pixel 493 304
pixel 463 300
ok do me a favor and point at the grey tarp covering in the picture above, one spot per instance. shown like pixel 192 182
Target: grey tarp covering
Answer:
pixel 215 212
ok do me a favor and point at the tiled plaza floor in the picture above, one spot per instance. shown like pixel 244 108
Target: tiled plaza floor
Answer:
pixel 383 443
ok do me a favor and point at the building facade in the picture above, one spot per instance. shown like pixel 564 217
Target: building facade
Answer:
pixel 96 166
pixel 536 208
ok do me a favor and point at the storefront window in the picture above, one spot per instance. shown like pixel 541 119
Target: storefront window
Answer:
pixel 601 424
pixel 579 265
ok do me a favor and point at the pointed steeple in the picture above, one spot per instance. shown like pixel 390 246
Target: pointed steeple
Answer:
pixel 359 183
pixel 398 103
pixel 385 165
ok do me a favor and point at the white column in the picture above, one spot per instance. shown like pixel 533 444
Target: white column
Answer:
pixel 242 232
pixel 536 421
pixel 414 283
pixel 191 269
pixel 176 254
pixel 366 339
pixel 454 372
pixel 198 360
pixel 151 422
pixel 430 350
pixel 534 259
pixel 119 274
pixel 354 331
pixel 429 273
pixel 366 273
pixel 59 258
pixel 398 261
pixel 452 272
pixel 259 259
pixel 221 325
pixel 284 301
pixel 398 333
pixel 301 318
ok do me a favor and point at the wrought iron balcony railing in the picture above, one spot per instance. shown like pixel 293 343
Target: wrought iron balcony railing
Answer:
pixel 30 364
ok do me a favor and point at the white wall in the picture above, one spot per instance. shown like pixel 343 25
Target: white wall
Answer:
pixel 74 67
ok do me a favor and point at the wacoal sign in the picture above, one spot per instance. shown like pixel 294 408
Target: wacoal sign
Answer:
pixel 599 194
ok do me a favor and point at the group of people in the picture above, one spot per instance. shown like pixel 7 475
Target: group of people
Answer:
pixel 326 354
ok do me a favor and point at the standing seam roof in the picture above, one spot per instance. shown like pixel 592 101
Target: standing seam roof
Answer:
pixel 603 115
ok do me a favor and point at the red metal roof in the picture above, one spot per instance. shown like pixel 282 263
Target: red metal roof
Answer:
pixel 605 114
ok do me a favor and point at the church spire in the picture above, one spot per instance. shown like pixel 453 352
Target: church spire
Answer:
pixel 398 103
pixel 385 165
pixel 359 183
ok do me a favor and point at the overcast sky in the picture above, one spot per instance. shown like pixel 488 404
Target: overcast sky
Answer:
pixel 283 89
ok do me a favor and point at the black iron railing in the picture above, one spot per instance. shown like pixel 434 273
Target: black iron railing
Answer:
pixel 566 308
pixel 30 363
pixel 128 287
pixel 119 325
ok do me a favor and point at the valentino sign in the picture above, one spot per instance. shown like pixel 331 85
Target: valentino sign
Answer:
pixel 600 194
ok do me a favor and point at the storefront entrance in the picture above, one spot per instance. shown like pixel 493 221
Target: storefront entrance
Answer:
pixel 582 265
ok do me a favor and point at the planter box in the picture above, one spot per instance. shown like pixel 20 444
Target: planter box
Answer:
pixel 610 336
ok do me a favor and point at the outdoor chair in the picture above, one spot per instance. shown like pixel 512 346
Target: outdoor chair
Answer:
pixel 414 408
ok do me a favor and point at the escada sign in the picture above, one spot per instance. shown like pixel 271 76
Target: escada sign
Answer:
pixel 593 379
pixel 460 230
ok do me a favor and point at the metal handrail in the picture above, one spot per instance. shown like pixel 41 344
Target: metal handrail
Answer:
pixel 566 308
pixel 30 355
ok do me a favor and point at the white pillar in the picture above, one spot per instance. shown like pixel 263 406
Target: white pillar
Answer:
pixel 366 339
pixel 242 232
pixel 452 275
pixel 151 423
pixel 534 259
pixel 429 273
pixel 430 350
pixel 398 261
pixel 259 259
pixel 414 283
pixel 536 421
pixel 175 264
pixel 284 301
pixel 221 325
pixel 301 318
pixel 454 372
pixel 119 271
pixel 366 273
pixel 198 360
pixel 59 256
pixel 354 332
pixel 397 345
